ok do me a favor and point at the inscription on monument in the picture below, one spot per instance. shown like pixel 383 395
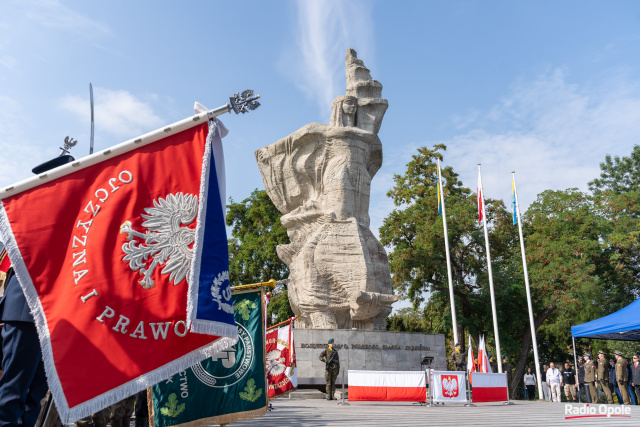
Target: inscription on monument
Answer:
pixel 368 346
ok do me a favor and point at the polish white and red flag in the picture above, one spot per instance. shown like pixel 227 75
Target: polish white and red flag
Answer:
pixel 471 362
pixel 391 386
pixel 122 256
pixel 483 358
pixel 282 375
pixel 488 387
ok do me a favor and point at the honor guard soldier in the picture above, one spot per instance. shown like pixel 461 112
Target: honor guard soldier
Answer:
pixel 456 358
pixel 622 377
pixel 590 377
pixel 332 367
pixel 603 376
pixel 492 363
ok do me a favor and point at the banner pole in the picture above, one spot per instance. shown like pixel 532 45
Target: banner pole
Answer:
pixel 446 248
pixel 238 104
pixel 493 298
pixel 528 289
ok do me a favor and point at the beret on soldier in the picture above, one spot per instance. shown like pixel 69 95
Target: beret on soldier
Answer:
pixel 330 341
pixel 457 344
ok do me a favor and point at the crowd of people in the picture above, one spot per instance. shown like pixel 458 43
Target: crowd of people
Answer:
pixel 614 380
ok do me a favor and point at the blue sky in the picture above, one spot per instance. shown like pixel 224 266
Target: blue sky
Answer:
pixel 544 88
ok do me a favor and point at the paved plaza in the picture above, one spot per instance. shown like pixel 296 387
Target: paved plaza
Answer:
pixel 315 412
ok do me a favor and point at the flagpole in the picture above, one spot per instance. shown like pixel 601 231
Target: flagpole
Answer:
pixel 446 248
pixel 493 298
pixel 526 282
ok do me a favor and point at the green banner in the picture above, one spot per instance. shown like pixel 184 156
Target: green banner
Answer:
pixel 227 387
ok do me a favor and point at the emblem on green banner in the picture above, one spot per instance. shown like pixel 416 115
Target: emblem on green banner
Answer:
pixel 245 349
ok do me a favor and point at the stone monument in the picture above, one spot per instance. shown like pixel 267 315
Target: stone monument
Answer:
pixel 319 177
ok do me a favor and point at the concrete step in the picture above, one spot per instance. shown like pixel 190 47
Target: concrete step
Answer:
pixel 306 394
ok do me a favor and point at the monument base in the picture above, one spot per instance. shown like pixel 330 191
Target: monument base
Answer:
pixel 366 350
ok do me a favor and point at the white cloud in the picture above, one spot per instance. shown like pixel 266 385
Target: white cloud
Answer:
pixel 53 14
pixel 324 30
pixel 553 133
pixel 116 112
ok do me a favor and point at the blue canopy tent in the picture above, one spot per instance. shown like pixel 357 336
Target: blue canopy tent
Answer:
pixel 623 325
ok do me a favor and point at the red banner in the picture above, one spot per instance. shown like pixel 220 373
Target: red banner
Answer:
pixel 281 361
pixel 103 256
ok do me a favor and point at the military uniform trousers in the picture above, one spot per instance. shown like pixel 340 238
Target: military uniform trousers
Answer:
pixel 330 375
pixel 115 413
pixel 624 391
pixel 593 391
pixel 607 390
pixel 142 410
pixel 122 410
pixel 23 384
pixel 636 389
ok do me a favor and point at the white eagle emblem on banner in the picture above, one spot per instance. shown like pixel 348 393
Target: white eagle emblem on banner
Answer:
pixel 450 385
pixel 168 241
pixel 275 363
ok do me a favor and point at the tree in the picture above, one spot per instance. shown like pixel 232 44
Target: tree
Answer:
pixel 256 231
pixel 418 262
pixel 563 232
pixel 407 320
pixel 618 175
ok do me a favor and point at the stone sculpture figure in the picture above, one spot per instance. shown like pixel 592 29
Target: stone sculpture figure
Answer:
pixel 319 177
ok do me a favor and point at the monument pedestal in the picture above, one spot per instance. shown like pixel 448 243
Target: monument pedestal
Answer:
pixel 365 350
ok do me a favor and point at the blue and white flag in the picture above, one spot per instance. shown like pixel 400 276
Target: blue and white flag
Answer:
pixel 209 303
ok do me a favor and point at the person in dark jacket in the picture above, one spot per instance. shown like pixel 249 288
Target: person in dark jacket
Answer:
pixel 632 395
pixel 23 383
pixel 635 376
pixel 612 380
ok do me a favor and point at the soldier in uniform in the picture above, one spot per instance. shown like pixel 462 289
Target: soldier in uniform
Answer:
pixel 492 363
pixel 622 377
pixel 603 376
pixel 332 367
pixel 590 377
pixel 456 358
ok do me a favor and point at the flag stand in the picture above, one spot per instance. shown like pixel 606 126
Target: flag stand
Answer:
pixel 343 403
pixel 508 402
pixel 469 392
pixel 429 400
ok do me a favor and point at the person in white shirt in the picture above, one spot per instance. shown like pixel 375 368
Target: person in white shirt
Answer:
pixel 554 380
